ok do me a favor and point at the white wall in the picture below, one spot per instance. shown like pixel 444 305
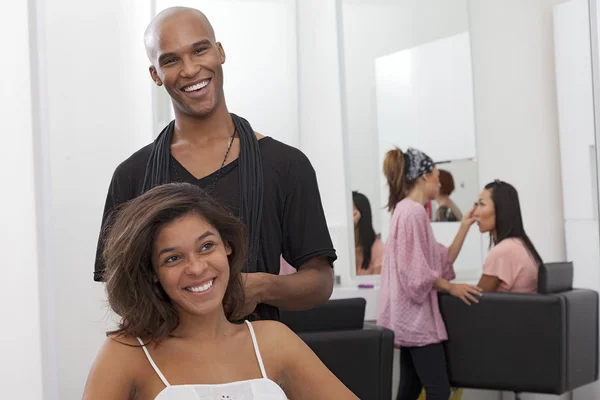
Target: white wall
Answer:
pixel 425 100
pixel 20 347
pixel 516 112
pixel 371 29
pixel 98 107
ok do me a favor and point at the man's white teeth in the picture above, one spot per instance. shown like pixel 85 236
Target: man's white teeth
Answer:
pixel 200 289
pixel 197 86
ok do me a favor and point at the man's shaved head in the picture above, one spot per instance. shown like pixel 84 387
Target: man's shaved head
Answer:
pixel 187 60
pixel 167 16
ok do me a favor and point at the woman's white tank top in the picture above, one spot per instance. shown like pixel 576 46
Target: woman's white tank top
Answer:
pixel 252 389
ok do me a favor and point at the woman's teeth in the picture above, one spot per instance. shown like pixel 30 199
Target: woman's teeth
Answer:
pixel 200 289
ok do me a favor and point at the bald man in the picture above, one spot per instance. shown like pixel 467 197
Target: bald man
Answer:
pixel 272 187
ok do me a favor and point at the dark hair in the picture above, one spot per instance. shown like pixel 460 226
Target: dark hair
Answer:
pixel 509 223
pixel 395 174
pixel 447 183
pixel 133 292
pixel 366 233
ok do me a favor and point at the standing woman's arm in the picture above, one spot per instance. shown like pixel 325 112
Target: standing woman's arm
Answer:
pixel 459 239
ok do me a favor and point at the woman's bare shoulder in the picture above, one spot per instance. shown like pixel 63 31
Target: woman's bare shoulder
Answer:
pixel 275 338
pixel 271 331
pixel 115 369
pixel 121 346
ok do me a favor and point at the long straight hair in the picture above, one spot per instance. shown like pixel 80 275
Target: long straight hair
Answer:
pixel 509 222
pixel 366 233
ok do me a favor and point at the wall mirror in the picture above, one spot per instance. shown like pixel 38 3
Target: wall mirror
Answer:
pixel 407 82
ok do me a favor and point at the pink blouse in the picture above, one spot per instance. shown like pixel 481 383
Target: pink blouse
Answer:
pixel 511 262
pixel 285 268
pixel 412 262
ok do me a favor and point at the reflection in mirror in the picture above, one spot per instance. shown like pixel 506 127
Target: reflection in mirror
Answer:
pixel 367 244
pixel 458 191
pixel 407 82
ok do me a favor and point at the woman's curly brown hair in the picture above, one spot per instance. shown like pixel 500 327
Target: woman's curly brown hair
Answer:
pixel 131 284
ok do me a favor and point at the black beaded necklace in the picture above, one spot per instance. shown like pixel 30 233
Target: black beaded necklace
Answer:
pixel 218 173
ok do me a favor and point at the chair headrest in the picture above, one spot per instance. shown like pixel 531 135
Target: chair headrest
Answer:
pixel 555 277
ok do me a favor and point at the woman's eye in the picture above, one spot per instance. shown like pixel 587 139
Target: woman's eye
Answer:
pixel 171 259
pixel 207 246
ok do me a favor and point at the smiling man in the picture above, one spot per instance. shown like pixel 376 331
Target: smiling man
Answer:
pixel 272 187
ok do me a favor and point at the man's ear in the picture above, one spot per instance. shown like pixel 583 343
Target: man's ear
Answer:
pixel 154 76
pixel 221 52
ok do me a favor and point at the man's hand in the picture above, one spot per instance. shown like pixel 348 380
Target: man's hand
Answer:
pixel 254 284
pixel 309 287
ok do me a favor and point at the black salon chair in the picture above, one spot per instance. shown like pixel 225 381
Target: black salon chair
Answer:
pixel 360 355
pixel 535 343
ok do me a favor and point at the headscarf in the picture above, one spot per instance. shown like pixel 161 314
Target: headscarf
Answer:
pixel 416 164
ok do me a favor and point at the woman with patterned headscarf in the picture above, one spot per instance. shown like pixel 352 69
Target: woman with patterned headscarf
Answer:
pixel 415 268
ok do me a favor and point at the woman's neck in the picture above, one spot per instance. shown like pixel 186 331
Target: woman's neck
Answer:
pixel 418 196
pixel 202 327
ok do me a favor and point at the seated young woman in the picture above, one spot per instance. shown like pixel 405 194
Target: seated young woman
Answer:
pixel 512 265
pixel 174 259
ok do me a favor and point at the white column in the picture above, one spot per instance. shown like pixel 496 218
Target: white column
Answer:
pixel 516 111
pixel 572 42
pixel 320 117
pixel 20 342
pixel 516 114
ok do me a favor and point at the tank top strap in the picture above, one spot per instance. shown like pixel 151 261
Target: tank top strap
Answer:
pixel 160 375
pixel 256 350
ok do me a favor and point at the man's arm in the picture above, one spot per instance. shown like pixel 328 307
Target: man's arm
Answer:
pixel 309 287
pixel 306 244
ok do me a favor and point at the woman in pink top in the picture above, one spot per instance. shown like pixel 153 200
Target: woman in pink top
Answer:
pixel 368 246
pixel 415 268
pixel 512 265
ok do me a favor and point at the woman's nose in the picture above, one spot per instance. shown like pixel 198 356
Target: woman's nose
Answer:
pixel 196 266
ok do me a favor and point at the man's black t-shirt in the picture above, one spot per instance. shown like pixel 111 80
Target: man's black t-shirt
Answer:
pixel 293 219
